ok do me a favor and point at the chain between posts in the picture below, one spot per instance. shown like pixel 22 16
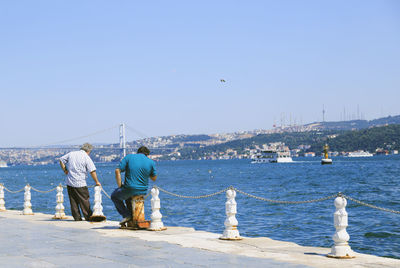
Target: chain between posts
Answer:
pixel 286 202
pixel 13 192
pixel 195 197
pixel 106 194
pixel 371 206
pixel 44 192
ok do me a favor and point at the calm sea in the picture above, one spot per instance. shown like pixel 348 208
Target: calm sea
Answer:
pixel 374 180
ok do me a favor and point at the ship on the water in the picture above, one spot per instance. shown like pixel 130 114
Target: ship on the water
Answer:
pixel 272 157
pixel 274 153
pixel 3 164
pixel 360 153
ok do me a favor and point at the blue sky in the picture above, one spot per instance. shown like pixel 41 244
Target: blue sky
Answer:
pixel 70 68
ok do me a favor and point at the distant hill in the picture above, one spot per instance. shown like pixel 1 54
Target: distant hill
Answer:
pixel 349 136
pixel 354 124
pixel 386 138
pixel 370 139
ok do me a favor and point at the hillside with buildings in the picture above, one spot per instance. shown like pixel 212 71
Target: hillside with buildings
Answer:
pixel 377 136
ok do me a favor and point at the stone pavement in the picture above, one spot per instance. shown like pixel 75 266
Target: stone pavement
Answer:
pixel 38 241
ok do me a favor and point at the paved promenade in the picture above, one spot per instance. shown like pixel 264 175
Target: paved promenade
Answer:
pixel 39 241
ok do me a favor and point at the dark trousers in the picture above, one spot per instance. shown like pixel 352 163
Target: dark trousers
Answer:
pixel 118 197
pixel 79 198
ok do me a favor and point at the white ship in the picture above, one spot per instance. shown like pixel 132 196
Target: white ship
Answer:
pixel 3 164
pixel 359 154
pixel 271 156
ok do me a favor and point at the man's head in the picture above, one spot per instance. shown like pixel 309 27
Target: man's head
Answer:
pixel 87 147
pixel 143 150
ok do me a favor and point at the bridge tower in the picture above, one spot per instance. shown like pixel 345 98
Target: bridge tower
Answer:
pixel 122 142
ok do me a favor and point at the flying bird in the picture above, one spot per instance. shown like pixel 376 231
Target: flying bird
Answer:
pixel 222 80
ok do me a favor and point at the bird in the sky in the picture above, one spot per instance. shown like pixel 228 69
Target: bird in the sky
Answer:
pixel 222 80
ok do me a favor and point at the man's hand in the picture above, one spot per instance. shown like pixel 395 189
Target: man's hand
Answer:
pixel 66 171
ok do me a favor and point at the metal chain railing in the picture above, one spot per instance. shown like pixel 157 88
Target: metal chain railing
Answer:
pixel 371 206
pixel 109 197
pixel 13 192
pixel 102 189
pixel 237 190
pixel 44 192
pixel 195 197
pixel 286 202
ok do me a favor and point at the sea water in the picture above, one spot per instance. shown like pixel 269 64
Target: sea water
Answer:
pixel 373 180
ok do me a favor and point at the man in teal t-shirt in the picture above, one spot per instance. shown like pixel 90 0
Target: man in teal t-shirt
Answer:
pixel 138 169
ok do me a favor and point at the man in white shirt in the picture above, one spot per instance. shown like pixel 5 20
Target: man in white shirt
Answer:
pixel 76 165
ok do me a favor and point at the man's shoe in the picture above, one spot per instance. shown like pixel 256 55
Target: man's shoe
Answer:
pixel 125 220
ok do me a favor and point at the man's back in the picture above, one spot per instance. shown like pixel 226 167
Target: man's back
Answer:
pixel 138 168
pixel 78 164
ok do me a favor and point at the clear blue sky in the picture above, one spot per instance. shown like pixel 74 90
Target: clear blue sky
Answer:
pixel 70 68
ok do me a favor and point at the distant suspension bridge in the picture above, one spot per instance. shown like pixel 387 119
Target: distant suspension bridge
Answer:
pixel 122 141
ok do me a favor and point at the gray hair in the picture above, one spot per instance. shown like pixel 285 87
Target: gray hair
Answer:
pixel 87 147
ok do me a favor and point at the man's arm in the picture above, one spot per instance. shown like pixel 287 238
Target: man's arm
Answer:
pixel 118 177
pixel 153 178
pixel 94 176
pixel 64 168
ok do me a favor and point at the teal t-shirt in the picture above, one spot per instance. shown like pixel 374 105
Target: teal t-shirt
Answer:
pixel 138 169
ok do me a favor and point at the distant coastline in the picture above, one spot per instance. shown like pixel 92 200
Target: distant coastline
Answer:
pixel 381 137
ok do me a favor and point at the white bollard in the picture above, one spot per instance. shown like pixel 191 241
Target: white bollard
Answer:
pixel 27 201
pixel 60 214
pixel 231 232
pixel 156 223
pixel 2 202
pixel 341 248
pixel 97 207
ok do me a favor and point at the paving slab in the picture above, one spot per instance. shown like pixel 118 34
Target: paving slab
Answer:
pixel 38 241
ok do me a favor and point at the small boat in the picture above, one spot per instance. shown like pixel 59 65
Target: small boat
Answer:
pixel 360 153
pixel 3 164
pixel 326 160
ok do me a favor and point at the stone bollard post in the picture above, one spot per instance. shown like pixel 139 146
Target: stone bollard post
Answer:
pixel 341 248
pixel 97 207
pixel 27 198
pixel 156 223
pixel 231 232
pixel 2 202
pixel 60 214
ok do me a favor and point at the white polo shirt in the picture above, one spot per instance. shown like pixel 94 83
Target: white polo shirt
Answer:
pixel 78 164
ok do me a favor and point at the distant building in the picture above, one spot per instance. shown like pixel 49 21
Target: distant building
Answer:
pixel 309 154
pixel 108 158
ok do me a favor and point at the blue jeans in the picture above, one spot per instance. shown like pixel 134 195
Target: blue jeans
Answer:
pixel 123 194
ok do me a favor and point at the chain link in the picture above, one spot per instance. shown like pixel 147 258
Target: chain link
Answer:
pixel 147 195
pixel 13 192
pixel 44 192
pixel 195 197
pixel 105 193
pixel 286 202
pixel 371 206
